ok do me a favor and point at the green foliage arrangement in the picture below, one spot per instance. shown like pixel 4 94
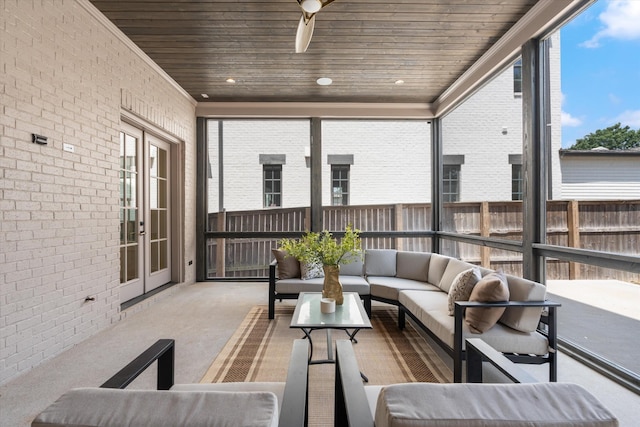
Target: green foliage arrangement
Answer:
pixel 323 248
pixel 614 137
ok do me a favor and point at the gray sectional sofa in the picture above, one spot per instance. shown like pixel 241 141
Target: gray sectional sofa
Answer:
pixel 419 283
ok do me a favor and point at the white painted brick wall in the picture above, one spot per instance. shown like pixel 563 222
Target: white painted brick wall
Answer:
pixel 65 75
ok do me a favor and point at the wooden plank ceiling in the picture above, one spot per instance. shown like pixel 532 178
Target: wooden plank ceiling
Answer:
pixel 364 46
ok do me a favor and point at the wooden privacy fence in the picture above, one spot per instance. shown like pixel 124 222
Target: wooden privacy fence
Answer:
pixel 610 226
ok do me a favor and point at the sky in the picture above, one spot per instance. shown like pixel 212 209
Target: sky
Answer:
pixel 600 69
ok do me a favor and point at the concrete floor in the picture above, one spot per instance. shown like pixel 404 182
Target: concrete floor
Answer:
pixel 201 318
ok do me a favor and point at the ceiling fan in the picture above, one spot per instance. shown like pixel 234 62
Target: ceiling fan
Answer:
pixel 307 22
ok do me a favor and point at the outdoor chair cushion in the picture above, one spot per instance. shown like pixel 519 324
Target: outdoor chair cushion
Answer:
pixel 471 405
pixel 104 407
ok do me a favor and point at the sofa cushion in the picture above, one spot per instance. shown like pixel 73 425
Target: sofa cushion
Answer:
pixel 437 265
pixel 462 286
pixel 349 284
pixel 88 407
pixel 523 319
pixel 288 267
pixel 353 265
pixel 380 262
pixel 413 265
pixel 389 287
pixel 540 404
pixel 492 288
pixel 430 308
pixel 454 267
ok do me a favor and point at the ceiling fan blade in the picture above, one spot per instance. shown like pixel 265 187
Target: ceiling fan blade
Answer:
pixel 304 33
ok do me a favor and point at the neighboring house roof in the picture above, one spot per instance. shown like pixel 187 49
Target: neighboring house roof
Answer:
pixel 600 151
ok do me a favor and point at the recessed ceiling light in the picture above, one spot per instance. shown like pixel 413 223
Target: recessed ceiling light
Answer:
pixel 399 82
pixel 324 81
pixel 204 95
pixel 231 80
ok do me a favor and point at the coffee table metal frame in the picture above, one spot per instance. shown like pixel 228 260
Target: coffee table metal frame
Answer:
pixel 307 316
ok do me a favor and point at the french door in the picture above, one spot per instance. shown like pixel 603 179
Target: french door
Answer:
pixel 145 215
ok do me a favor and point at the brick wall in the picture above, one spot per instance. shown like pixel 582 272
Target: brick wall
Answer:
pixel 66 75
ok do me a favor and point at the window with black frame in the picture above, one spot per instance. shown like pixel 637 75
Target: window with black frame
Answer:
pixel 340 185
pixel 450 183
pixel 272 178
pixel 516 182
pixel 517 77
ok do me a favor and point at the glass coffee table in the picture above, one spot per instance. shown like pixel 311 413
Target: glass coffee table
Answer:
pixel 349 317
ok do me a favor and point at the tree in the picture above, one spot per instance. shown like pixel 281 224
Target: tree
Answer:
pixel 614 137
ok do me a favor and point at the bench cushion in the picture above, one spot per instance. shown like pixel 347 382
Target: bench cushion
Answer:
pixel 103 407
pixel 471 405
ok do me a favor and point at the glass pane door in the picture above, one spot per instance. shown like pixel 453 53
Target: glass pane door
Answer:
pixel 131 251
pixel 159 271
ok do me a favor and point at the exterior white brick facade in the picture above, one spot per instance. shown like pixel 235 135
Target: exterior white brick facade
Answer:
pixel 66 75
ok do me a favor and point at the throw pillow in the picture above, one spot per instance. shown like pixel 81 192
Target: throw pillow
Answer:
pixel 288 266
pixel 491 288
pixel 310 270
pixel 462 286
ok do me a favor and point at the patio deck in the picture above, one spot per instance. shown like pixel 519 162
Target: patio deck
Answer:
pixel 201 318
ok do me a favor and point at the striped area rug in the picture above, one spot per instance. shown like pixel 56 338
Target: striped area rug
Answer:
pixel 259 350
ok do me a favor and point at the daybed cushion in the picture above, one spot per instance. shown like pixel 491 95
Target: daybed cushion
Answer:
pixel 462 286
pixel 541 404
pixel 389 287
pixel 413 265
pixel 492 288
pixel 288 266
pixel 380 262
pixel 523 319
pixel 103 407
